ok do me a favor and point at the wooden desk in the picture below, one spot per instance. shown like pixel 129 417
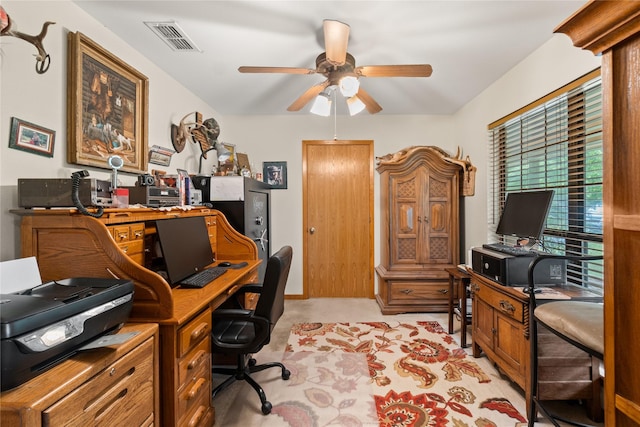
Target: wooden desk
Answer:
pixel 458 283
pixel 115 385
pixel 120 244
pixel 500 329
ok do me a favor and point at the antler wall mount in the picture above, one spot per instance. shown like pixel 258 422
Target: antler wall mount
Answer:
pixel 7 28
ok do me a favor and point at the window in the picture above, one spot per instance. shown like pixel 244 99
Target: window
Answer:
pixel 556 143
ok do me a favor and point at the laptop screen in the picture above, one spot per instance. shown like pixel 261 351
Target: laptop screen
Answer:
pixel 185 246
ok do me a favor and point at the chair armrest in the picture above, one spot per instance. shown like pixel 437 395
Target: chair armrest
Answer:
pixel 255 288
pixel 232 314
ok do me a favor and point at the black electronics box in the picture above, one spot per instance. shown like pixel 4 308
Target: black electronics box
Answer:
pixel 47 324
pixel 155 197
pixel 56 192
pixel 512 270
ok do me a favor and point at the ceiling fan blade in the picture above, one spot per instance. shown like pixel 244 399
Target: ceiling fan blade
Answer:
pixel 423 70
pixel 307 96
pixel 336 38
pixel 370 104
pixel 286 70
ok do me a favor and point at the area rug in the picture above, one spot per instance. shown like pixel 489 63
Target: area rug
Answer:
pixel 385 374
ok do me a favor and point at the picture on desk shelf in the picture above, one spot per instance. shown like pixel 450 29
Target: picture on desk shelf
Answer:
pixel 275 174
pixel 32 138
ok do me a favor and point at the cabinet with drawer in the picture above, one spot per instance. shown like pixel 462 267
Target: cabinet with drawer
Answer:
pixel 117 385
pixel 420 191
pixel 500 329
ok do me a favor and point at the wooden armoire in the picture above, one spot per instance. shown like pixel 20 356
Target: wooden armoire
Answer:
pixel 612 29
pixel 420 190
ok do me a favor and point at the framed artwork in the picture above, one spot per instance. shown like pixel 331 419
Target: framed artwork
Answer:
pixel 107 106
pixel 160 155
pixel 243 161
pixel 32 138
pixel 275 174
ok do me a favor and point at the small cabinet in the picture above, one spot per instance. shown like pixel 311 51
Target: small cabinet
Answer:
pixel 499 329
pixel 116 385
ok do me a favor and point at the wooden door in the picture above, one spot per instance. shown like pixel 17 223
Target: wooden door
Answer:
pixel 338 218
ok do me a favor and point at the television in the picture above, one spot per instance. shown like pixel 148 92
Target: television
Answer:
pixel 524 214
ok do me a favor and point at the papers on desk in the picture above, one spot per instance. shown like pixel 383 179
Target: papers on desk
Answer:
pixel 464 267
pixel 18 275
pixel 546 293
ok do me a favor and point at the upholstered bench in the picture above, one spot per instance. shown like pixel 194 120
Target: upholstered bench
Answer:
pixel 579 321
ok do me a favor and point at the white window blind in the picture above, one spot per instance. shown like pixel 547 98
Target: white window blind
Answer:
pixel 556 143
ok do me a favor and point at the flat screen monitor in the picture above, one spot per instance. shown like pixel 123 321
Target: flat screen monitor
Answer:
pixel 185 246
pixel 525 213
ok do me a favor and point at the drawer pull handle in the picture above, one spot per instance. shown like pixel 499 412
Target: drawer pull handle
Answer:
pixel 199 331
pixel 474 287
pixel 507 306
pixel 406 291
pixel 125 249
pixel 196 360
pixel 112 372
pixel 444 291
pixel 196 388
pixel 138 234
pixel 122 236
pixel 197 417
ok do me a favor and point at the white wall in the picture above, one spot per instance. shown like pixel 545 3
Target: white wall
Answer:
pixel 279 138
pixel 551 66
pixel 41 99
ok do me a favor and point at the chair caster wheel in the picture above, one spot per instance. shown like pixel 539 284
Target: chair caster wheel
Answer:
pixel 252 362
pixel 266 408
pixel 286 374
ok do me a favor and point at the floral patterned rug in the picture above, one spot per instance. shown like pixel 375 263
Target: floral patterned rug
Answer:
pixel 385 374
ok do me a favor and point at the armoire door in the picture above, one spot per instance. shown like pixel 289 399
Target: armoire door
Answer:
pixel 338 218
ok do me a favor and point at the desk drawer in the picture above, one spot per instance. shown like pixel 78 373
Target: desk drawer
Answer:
pixel 195 393
pixel 122 394
pixel 194 331
pixel 196 358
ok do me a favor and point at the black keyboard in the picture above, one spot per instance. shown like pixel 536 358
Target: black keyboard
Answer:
pixel 203 278
pixel 509 250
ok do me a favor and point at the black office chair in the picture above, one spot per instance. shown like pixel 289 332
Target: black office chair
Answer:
pixel 580 323
pixel 242 332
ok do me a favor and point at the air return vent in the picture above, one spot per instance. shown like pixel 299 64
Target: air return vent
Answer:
pixel 173 35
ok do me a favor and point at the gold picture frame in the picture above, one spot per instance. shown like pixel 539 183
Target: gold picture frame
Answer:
pixel 107 107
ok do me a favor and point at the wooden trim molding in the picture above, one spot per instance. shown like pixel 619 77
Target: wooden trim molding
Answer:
pixel 600 25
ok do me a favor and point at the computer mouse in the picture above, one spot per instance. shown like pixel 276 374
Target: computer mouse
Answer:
pixel 224 264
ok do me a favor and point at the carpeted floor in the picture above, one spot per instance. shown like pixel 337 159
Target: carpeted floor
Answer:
pixel 239 405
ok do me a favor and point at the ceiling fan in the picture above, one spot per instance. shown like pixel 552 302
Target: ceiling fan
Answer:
pixel 339 67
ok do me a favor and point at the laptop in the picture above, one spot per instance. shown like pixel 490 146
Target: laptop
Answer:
pixel 185 246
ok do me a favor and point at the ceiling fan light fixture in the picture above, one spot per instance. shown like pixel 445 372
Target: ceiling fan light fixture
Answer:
pixel 349 86
pixel 322 104
pixel 355 105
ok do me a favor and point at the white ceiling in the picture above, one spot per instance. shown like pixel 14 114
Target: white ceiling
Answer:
pixel 469 44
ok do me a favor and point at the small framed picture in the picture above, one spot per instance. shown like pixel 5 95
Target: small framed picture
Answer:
pixel 35 139
pixel 275 174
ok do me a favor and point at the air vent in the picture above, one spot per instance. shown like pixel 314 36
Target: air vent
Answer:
pixel 173 36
